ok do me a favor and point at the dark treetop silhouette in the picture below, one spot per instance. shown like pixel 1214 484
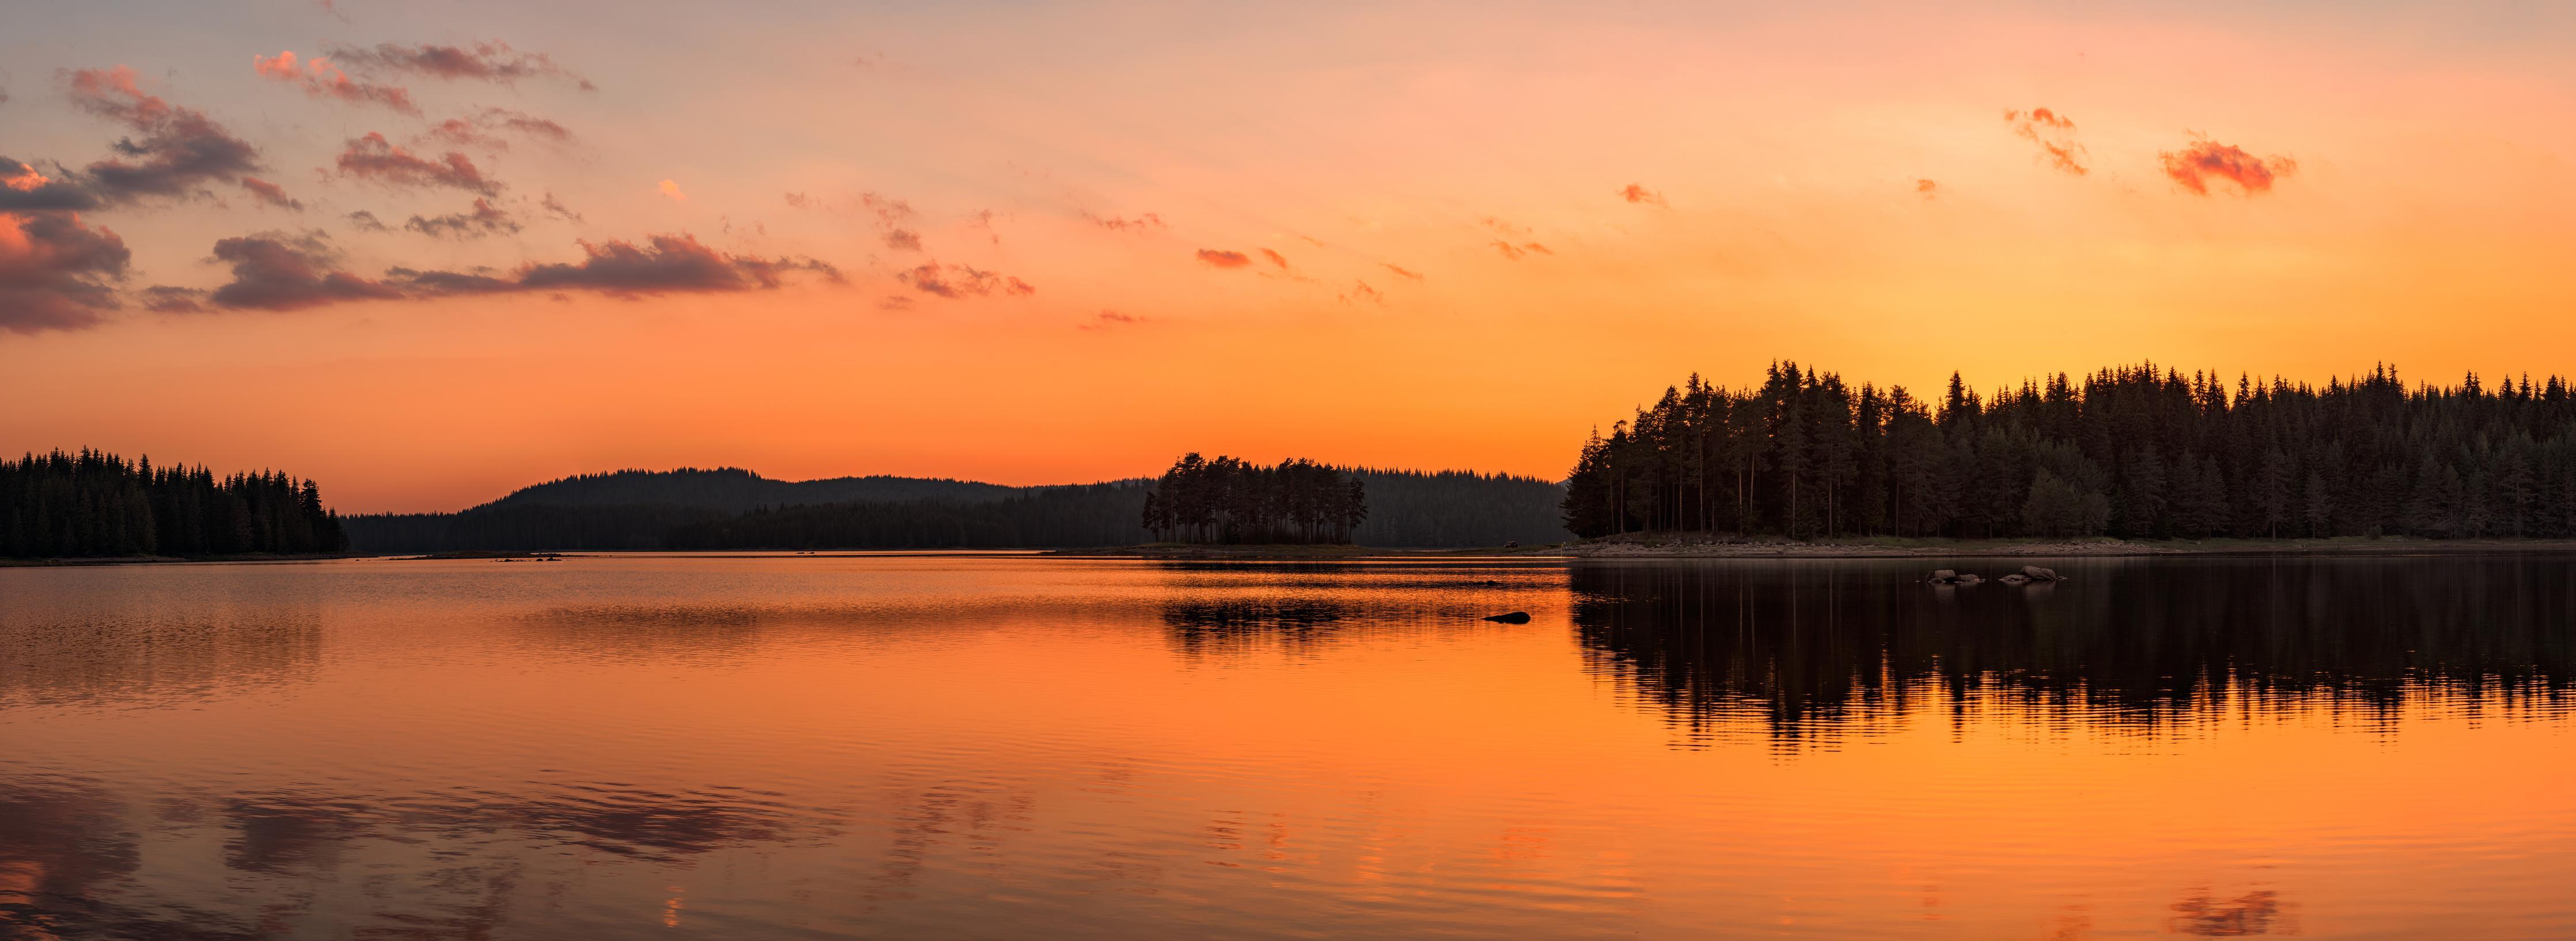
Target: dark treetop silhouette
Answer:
pixel 1228 500
pixel 2130 452
pixel 94 504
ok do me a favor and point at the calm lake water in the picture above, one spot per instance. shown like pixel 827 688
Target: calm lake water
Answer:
pixel 949 747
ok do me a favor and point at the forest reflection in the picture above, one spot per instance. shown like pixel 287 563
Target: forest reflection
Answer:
pixel 1809 652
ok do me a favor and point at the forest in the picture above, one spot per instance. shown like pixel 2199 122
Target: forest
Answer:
pixel 693 509
pixel 1228 500
pixel 93 504
pixel 2130 451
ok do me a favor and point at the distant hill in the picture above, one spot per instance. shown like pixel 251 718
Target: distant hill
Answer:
pixel 733 490
pixel 731 508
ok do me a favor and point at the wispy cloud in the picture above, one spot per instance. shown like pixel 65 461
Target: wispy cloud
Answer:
pixel 1276 258
pixel 960 281
pixel 1109 318
pixel 1139 223
pixel 178 150
pixel 1224 259
pixel 1520 251
pixel 1927 188
pixel 375 159
pixel 490 61
pixel 671 188
pixel 1642 196
pixel 270 193
pixel 2055 135
pixel 2207 161
pixel 320 79
pixel 665 264
pixel 1362 293
pixel 1402 271
pixel 480 220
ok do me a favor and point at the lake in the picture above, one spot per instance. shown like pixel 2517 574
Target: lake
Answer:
pixel 1018 746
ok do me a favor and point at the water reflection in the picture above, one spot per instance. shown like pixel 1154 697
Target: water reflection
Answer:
pixel 1815 650
pixel 70 858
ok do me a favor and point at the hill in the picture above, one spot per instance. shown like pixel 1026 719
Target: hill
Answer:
pixel 735 490
pixel 731 508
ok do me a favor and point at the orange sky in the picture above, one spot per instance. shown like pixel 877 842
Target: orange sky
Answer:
pixel 2376 182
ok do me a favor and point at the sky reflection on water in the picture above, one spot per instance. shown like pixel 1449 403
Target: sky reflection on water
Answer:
pixel 910 747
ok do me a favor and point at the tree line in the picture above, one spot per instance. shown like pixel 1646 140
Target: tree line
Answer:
pixel 1229 500
pixel 95 504
pixel 2131 451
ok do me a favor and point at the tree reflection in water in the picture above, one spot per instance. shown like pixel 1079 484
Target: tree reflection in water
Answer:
pixel 1809 651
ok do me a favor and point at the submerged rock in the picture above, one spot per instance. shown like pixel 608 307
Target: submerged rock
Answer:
pixel 1516 617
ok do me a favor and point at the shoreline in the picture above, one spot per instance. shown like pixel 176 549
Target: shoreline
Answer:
pixel 1612 548
pixel 1634 547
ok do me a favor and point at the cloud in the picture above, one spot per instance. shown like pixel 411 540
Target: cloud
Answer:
pixel 179 148
pixel 524 124
pixel 799 201
pixel 1275 258
pixel 1642 196
pixel 1140 223
pixel 1224 259
pixel 459 132
pixel 277 271
pixel 666 264
pixel 903 240
pixel 484 130
pixel 983 219
pixel 1361 292
pixel 1504 228
pixel 365 221
pixel 888 210
pixel 671 188
pixel 1401 271
pixel 1109 318
pixel 1520 251
pixel 270 193
pixel 490 61
pixel 320 80
pixel 56 273
pixel 2055 135
pixel 1928 188
pixel 958 281
pixel 483 219
pixel 2195 167
pixel 164 299
pixel 22 186
pixel 557 209
pixel 373 158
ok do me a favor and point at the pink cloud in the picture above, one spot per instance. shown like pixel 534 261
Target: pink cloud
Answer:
pixel 320 80
pixel 2195 167
pixel 1641 195
pixel 1224 259
pixel 373 158
pixel 2055 135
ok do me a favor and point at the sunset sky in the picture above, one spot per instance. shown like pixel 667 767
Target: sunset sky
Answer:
pixel 429 252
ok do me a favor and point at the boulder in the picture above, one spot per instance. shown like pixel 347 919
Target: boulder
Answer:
pixel 2038 574
pixel 1516 617
pixel 1943 575
pixel 2015 579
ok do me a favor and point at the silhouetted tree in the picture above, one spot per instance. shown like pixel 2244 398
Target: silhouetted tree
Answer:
pixel 1804 454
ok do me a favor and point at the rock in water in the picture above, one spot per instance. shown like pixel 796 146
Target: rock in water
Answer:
pixel 2038 574
pixel 1516 617
pixel 2015 579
